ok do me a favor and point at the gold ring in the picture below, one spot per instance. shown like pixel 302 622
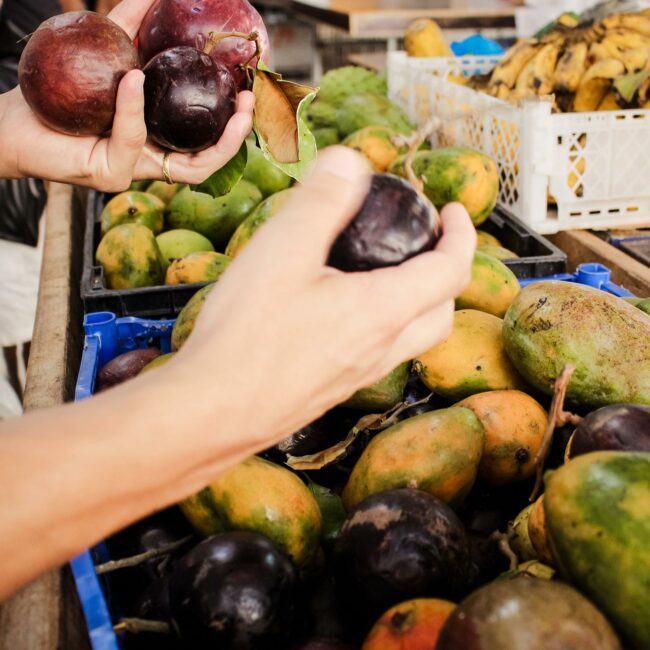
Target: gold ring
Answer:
pixel 165 168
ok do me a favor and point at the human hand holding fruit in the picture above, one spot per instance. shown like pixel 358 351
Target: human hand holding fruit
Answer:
pixel 110 163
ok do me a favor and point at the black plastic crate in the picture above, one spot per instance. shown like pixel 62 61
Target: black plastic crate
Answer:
pixel 538 258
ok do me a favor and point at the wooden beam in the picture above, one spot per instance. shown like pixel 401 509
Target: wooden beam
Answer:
pixel 45 615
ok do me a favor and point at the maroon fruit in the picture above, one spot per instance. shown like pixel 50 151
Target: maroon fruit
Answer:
pixel 70 70
pixel 394 224
pixel 189 99
pixel 189 22
pixel 125 366
pixel 618 427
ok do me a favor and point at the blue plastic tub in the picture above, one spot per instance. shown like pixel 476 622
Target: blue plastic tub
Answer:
pixel 106 337
pixel 592 274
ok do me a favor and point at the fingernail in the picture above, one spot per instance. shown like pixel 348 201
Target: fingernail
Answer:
pixel 343 162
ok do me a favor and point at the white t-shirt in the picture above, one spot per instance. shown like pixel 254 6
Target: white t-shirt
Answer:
pixel 20 270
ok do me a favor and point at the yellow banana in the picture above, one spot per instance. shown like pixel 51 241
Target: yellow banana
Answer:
pixel 524 85
pixel 544 64
pixel 609 103
pixel 507 71
pixel 598 52
pixel 571 67
pixel 636 22
pixel 605 69
pixel 590 93
pixel 626 39
pixel 633 59
pixel 424 38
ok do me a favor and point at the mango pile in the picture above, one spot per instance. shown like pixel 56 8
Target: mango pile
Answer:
pixel 156 234
pixel 590 66
pixel 407 512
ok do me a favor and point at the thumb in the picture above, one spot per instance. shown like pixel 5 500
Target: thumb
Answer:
pixel 129 132
pixel 321 207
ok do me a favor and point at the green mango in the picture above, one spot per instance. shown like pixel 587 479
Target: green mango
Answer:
pixel 325 137
pixel 640 303
pixel 383 394
pixel 268 178
pixel 187 318
pixel 365 109
pixel 175 244
pixel 215 218
pixel 551 324
pixel 597 511
pixel 164 191
pixel 260 215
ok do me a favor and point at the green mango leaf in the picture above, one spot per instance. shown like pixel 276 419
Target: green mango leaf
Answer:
pixel 280 124
pixel 224 179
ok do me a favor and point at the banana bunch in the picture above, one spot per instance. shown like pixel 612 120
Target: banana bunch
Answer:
pixel 582 67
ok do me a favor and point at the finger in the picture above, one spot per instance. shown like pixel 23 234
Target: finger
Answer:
pixel 129 14
pixel 129 131
pixel 423 333
pixel 245 102
pixel 419 284
pixel 322 205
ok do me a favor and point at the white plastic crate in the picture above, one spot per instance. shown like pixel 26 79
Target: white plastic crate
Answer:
pixel 596 166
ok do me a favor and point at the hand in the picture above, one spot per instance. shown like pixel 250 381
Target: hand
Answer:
pixel 292 337
pixel 110 164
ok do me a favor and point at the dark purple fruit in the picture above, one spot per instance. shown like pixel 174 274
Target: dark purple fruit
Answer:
pixel 618 427
pixel 397 545
pixel 394 224
pixel 170 23
pixel 70 70
pixel 123 367
pixel 189 98
pixel 233 591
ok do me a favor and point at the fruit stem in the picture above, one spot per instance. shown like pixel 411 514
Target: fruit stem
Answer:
pixel 557 417
pixel 137 560
pixel 142 626
pixel 503 540
pixel 253 36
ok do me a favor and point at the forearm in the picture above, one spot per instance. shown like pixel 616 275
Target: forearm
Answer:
pixel 72 475
pixel 9 165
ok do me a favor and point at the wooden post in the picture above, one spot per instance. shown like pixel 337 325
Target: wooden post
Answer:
pixel 45 615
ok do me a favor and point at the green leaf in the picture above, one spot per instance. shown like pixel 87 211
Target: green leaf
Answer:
pixel 224 179
pixel 280 122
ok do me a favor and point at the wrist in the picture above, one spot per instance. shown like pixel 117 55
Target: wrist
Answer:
pixel 9 161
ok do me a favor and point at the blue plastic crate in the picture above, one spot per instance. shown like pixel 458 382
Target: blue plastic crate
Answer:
pixel 106 337
pixel 592 274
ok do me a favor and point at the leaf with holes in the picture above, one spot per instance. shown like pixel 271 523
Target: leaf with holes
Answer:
pixel 224 179
pixel 282 132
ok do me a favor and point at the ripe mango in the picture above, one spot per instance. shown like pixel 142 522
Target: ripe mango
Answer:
pixel 597 515
pixel 263 497
pixel 437 452
pixel 471 360
pixel 133 207
pixel 499 252
pixel 197 267
pixel 187 318
pixel 551 324
pixel 484 238
pixel 493 286
pixel 376 144
pixel 130 257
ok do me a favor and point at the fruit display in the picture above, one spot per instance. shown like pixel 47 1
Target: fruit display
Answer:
pixel 590 66
pixel 417 529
